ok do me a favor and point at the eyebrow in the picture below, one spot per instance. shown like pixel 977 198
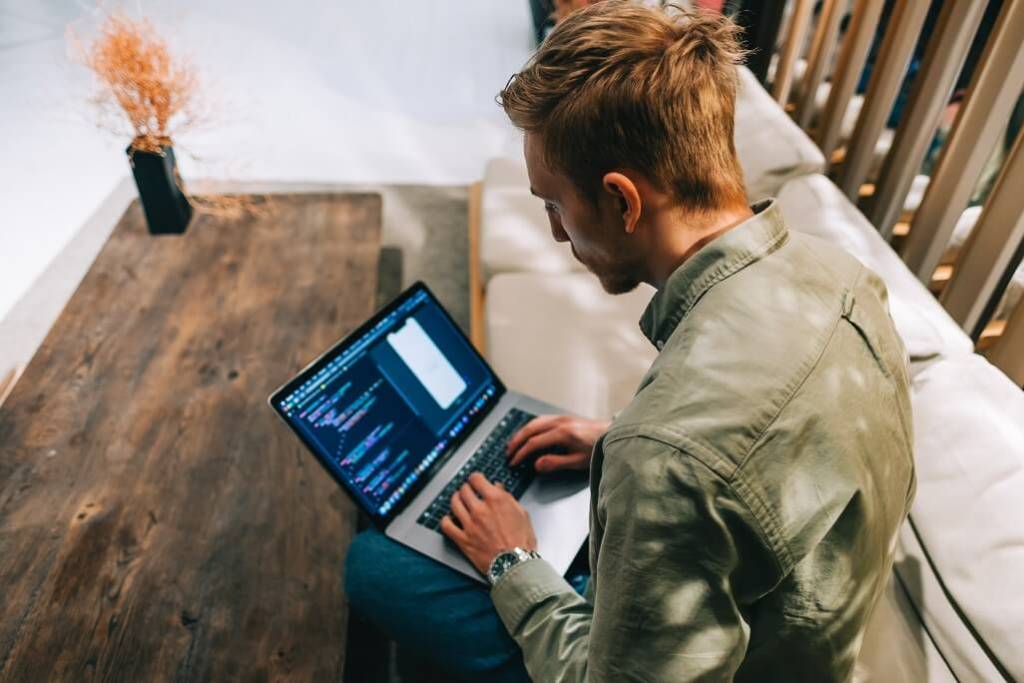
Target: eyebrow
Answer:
pixel 536 194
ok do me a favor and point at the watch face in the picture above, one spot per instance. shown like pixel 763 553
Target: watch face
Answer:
pixel 506 561
pixel 502 563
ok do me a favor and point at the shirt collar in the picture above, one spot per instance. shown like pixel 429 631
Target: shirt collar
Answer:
pixel 751 240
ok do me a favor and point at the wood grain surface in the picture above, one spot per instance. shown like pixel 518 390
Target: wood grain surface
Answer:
pixel 157 521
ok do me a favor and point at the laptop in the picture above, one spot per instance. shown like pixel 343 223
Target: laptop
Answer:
pixel 404 409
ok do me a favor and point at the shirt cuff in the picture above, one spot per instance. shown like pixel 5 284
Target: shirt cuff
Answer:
pixel 524 586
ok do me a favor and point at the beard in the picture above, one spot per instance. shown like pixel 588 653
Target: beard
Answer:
pixel 618 283
pixel 618 278
pixel 615 278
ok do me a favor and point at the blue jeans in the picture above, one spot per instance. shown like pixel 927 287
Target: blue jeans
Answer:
pixel 431 610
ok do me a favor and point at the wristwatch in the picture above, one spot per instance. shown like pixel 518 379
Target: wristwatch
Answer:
pixel 507 559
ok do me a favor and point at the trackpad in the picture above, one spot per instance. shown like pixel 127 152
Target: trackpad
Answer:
pixel 559 507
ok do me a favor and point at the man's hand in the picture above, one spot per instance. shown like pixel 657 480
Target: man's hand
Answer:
pixel 573 437
pixel 490 521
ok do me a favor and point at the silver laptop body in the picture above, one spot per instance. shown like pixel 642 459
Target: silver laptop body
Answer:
pixel 558 503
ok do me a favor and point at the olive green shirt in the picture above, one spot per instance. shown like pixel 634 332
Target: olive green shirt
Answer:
pixel 745 504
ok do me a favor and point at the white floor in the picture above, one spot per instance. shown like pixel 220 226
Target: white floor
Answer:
pixel 340 91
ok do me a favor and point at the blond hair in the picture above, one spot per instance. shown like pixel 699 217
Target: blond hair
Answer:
pixel 618 85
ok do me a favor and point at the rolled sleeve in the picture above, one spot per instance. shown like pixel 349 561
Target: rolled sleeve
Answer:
pixel 525 586
pixel 547 618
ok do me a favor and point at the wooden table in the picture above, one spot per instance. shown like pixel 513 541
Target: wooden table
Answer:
pixel 157 521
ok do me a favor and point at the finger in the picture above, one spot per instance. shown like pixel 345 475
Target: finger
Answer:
pixel 534 426
pixel 481 486
pixel 553 463
pixel 544 441
pixel 468 496
pixel 459 510
pixel 452 531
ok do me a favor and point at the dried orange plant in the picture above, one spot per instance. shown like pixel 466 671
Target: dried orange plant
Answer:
pixel 155 91
pixel 158 94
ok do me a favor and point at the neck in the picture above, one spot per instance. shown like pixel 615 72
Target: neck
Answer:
pixel 678 238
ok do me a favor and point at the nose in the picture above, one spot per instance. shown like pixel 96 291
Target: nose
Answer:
pixel 557 231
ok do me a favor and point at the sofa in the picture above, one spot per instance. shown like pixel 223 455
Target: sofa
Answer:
pixel 954 605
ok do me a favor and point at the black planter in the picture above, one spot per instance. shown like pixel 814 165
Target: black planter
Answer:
pixel 156 174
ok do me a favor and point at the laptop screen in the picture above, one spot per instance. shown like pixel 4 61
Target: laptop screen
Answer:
pixel 390 402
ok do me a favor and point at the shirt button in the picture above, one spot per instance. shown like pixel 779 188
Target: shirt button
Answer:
pixel 661 344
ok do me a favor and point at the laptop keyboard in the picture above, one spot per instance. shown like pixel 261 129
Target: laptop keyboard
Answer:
pixel 490 459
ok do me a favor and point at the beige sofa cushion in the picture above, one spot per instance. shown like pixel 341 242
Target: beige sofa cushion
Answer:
pixel 561 338
pixel 514 232
pixel 771 147
pixel 969 510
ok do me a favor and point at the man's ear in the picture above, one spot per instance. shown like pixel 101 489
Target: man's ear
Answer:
pixel 625 192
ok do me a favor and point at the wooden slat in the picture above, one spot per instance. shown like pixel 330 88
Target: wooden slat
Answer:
pixel 1008 351
pixel 157 522
pixel 852 57
pixel 798 24
pixel 477 321
pixel 929 95
pixel 993 92
pixel 990 255
pixel 990 336
pixel 886 77
pixel 826 35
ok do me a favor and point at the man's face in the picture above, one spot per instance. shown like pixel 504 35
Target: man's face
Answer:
pixel 597 234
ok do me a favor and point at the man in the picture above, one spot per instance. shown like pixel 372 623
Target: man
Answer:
pixel 744 505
